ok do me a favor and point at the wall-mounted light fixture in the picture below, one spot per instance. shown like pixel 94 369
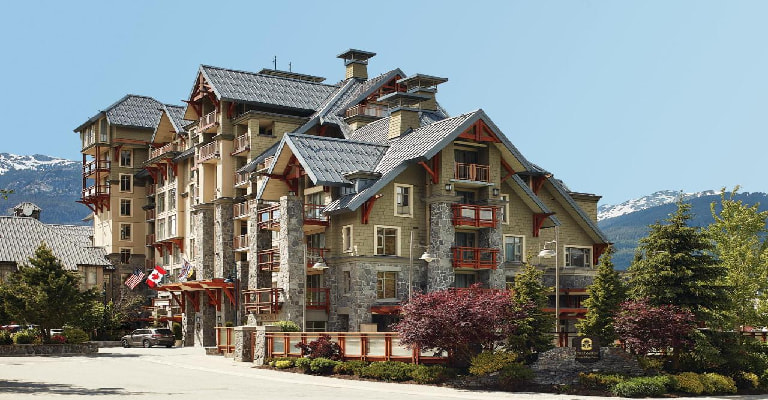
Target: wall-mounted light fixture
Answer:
pixel 495 191
pixel 448 187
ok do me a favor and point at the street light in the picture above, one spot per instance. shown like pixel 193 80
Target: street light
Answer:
pixel 428 257
pixel 319 265
pixel 549 253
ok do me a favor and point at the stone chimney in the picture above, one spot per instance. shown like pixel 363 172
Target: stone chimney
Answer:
pixel 356 62
pixel 403 112
pixel 425 85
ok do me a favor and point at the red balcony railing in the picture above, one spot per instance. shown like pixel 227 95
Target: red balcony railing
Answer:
pixel 475 257
pixel 269 218
pixel 207 121
pixel 373 110
pixel 150 214
pixel 95 165
pixel 169 147
pixel 474 215
pixel 95 190
pixel 472 172
pixel 207 152
pixel 319 299
pixel 242 178
pixel 263 301
pixel 242 143
pixel 268 260
pixel 240 242
pixel 150 239
pixel 313 214
pixel 240 210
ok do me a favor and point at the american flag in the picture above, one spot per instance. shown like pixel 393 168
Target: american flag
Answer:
pixel 134 279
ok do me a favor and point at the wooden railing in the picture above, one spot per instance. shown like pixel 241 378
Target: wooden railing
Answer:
pixel 263 301
pixel 368 346
pixel 240 242
pixel 242 178
pixel 268 260
pixel 762 336
pixel 269 217
pixel 472 172
pixel 313 214
pixel 242 143
pixel 167 148
pixel 225 339
pixel 151 189
pixel 150 214
pixel 373 110
pixel 208 151
pixel 316 254
pixel 268 161
pixel 207 121
pixel 240 210
pixel 95 190
pixel 96 165
pixel 474 215
pixel 475 257
pixel 319 299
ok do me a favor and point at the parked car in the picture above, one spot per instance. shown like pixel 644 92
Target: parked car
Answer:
pixel 148 338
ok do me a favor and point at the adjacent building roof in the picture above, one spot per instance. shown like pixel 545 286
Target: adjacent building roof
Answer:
pixel 176 115
pixel 20 237
pixel 131 111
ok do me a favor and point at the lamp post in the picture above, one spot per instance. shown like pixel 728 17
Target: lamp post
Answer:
pixel 318 266
pixel 426 257
pixel 549 253
pixel 232 278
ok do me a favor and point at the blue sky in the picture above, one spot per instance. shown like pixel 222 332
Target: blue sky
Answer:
pixel 615 98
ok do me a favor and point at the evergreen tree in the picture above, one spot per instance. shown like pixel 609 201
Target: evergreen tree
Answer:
pixel 44 293
pixel 675 267
pixel 739 234
pixel 534 333
pixel 606 293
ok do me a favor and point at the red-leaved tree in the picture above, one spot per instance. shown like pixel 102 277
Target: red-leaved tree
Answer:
pixel 459 321
pixel 644 327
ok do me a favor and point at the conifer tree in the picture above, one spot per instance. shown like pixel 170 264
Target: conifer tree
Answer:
pixel 606 293
pixel 676 267
pixel 534 333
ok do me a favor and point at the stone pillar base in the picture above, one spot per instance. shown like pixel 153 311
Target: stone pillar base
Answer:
pixel 260 344
pixel 243 343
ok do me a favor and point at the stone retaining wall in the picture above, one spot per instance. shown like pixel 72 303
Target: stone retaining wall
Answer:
pixel 15 350
pixel 559 366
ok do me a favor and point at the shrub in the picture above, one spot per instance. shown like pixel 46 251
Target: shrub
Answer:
pixel 58 339
pixel 273 361
pixel 651 364
pixel 322 365
pixel 350 367
pixel 717 384
pixel 177 332
pixel 388 371
pixel 514 375
pixel 490 361
pixel 5 338
pixel 599 381
pixel 432 374
pixel 283 364
pixel 323 347
pixel 287 326
pixel 644 386
pixel 75 335
pixel 688 382
pixel 746 380
pixel 302 363
pixel 24 337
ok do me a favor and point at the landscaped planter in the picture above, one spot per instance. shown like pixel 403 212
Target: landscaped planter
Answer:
pixel 15 350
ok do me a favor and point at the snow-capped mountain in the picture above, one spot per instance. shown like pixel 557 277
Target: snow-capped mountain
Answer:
pixel 645 202
pixel 34 162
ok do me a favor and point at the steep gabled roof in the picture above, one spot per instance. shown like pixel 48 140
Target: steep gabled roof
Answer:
pixel 268 90
pixel 583 217
pixel 131 111
pixel 175 116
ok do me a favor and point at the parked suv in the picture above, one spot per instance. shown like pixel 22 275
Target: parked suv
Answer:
pixel 148 338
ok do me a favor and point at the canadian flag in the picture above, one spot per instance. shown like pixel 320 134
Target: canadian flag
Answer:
pixel 154 278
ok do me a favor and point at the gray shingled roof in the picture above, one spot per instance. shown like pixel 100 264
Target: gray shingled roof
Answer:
pixel 268 90
pixel 176 115
pixel 132 111
pixel 20 236
pixel 253 164
pixel 571 202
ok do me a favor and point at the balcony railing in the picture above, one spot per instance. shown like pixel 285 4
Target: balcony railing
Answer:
pixel 150 239
pixel 269 218
pixel 319 299
pixel 313 214
pixel 151 190
pixel 474 215
pixel 263 301
pixel 316 254
pixel 207 152
pixel 372 110
pixel 475 257
pixel 268 260
pixel 89 138
pixel 268 161
pixel 95 190
pixel 472 172
pixel 240 242
pixel 150 214
pixel 162 150
pixel 242 143
pixel 240 210
pixel 207 121
pixel 242 178
pixel 95 165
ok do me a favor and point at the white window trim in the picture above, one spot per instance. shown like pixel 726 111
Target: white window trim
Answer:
pixel 120 183
pixel 522 248
pixel 505 197
pixel 348 247
pixel 565 256
pixel 376 238
pixel 410 199
pixel 120 159
pixel 120 207
pixel 120 232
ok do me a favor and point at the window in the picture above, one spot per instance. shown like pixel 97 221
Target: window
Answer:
pixel 346 238
pixel 160 202
pixel 386 285
pixel 126 182
pixel 125 231
pixel 504 210
pixel 90 278
pixel 513 248
pixel 176 255
pixel 191 248
pixel 125 207
pixel 578 257
pixel 172 199
pixel 160 229
pixel 464 280
pixel 126 158
pixel 346 283
pixel 125 256
pixel 403 200
pixel 387 240
pixel 315 326
pixel 171 226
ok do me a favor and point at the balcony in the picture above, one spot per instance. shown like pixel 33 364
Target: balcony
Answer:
pixel 263 301
pixel 208 152
pixel 269 218
pixel 207 122
pixel 475 257
pixel 240 210
pixel 150 239
pixel 472 172
pixel 370 110
pixel 268 260
pixel 313 214
pixel 95 191
pixel 93 166
pixel 91 138
pixel 151 190
pixel 150 214
pixel 240 243
pixel 241 145
pixel 319 299
pixel 170 147
pixel 242 178
pixel 475 215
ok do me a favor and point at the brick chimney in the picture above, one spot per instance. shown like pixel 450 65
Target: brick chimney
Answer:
pixel 425 85
pixel 403 112
pixel 356 62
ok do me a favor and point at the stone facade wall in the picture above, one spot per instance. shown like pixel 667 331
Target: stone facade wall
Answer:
pixel 204 253
pixel 440 274
pixel 292 276
pixel 224 259
pixel 15 350
pixel 243 343
pixel 559 366
pixel 260 343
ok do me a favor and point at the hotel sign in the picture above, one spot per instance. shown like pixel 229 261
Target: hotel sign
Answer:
pixel 587 349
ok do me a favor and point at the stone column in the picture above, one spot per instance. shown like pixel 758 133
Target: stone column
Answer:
pixel 440 274
pixel 493 238
pixel 188 323
pixel 260 343
pixel 204 253
pixel 206 331
pixel 243 343
pixel 292 275
pixel 224 261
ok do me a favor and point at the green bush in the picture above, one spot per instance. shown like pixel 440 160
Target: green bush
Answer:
pixel 688 382
pixel 514 375
pixel 5 338
pixel 432 373
pixel 717 384
pixel 321 365
pixel 177 332
pixel 24 337
pixel 490 361
pixel 764 379
pixel 287 326
pixel 746 380
pixel 644 386
pixel 283 364
pixel 303 363
pixel 272 361
pixel 75 335
pixel 350 367
pixel 599 381
pixel 388 371
pixel 651 364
